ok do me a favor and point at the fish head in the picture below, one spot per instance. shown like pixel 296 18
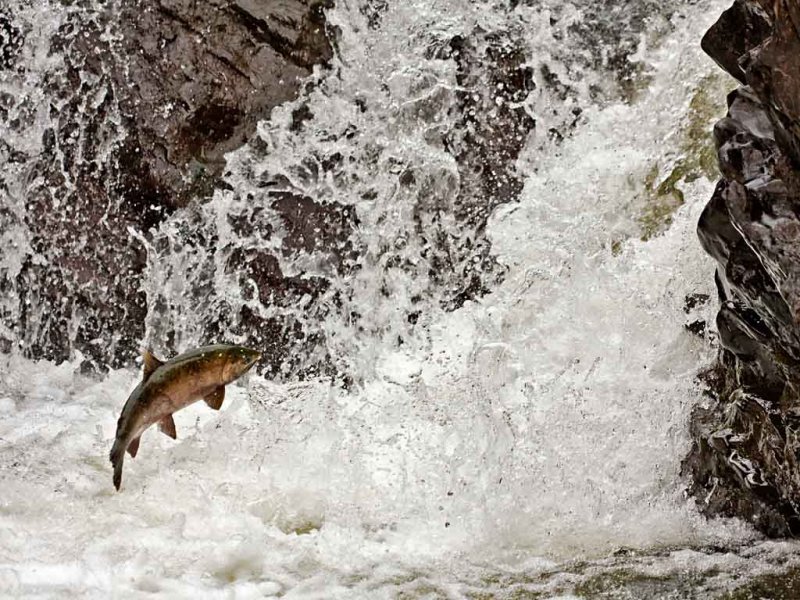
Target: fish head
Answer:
pixel 238 361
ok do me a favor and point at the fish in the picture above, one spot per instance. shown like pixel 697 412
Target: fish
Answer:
pixel 167 387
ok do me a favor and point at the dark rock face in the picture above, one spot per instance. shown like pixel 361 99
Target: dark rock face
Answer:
pixel 740 29
pixel 10 42
pixel 151 96
pixel 744 461
pixel 487 149
pixel 448 211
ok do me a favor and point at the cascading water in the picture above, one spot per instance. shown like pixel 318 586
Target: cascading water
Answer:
pixel 385 148
pixel 498 442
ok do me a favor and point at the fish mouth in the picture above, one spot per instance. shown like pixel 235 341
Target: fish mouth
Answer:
pixel 253 359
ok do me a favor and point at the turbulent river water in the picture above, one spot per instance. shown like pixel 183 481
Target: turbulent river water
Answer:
pixel 526 444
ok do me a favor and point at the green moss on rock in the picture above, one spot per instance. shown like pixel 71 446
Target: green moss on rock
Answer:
pixel 697 157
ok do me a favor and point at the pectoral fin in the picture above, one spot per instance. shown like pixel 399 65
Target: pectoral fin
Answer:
pixel 215 398
pixel 133 447
pixel 167 425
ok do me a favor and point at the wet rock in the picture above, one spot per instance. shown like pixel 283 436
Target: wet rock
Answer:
pixel 783 584
pixel 740 29
pixel 610 32
pixel 439 256
pixel 773 73
pixel 11 40
pixel 153 93
pixel 493 127
pixel 744 461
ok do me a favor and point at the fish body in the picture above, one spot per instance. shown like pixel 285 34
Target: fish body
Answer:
pixel 167 387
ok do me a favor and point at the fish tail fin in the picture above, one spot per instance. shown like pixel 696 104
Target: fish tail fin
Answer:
pixel 117 457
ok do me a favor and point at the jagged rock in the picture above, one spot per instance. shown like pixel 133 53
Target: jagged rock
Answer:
pixel 740 29
pixel 744 461
pixel 153 94
pixel 494 79
pixel 773 73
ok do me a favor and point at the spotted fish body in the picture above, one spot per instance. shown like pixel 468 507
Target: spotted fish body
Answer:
pixel 167 387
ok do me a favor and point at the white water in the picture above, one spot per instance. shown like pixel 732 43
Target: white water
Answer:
pixel 541 425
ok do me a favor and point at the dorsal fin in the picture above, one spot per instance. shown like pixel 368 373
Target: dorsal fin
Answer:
pixel 151 363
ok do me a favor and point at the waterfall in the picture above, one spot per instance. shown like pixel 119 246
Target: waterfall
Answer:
pixel 468 252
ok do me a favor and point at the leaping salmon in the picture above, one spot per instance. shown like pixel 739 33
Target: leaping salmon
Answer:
pixel 167 387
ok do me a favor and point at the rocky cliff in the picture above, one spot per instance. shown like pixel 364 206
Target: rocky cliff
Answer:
pixel 745 460
pixel 140 100
pixel 127 225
